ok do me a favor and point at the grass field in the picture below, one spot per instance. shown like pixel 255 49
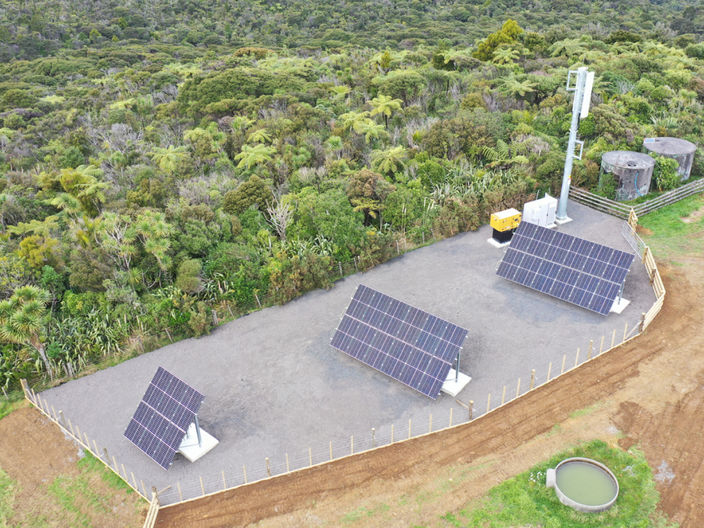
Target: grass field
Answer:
pixel 676 229
pixel 525 500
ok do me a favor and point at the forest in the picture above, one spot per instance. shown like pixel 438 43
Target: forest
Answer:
pixel 167 166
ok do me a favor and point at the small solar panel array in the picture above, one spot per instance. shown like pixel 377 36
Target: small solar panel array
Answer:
pixel 572 269
pixel 401 341
pixel 163 416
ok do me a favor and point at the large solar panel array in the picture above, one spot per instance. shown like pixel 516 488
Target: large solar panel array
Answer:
pixel 575 270
pixel 401 341
pixel 162 418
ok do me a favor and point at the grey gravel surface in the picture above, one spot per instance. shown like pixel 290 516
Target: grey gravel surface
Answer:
pixel 273 385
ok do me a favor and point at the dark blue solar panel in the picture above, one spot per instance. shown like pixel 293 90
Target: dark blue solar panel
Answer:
pixel 160 422
pixel 578 271
pixel 401 341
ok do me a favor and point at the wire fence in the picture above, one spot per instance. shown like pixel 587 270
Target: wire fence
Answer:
pixel 323 452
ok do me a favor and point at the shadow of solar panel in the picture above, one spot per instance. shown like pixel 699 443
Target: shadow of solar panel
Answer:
pixel 572 269
pixel 401 341
pixel 161 420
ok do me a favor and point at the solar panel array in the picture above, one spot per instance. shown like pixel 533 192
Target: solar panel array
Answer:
pixel 401 341
pixel 575 270
pixel 162 418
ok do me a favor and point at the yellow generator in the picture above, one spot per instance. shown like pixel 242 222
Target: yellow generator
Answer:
pixel 504 224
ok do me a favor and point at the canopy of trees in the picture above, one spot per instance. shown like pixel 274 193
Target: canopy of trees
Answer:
pixel 168 165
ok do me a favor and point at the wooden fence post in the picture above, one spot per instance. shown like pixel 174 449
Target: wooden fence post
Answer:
pixel 107 457
pixel 310 456
pixel 601 346
pixel 25 387
pixel 576 358
pixel 430 422
pixel 532 379
pixel 244 472
pixel 564 358
pixel 503 395
pixel 178 488
pixel 268 468
pixel 471 410
pixel 625 332
pixel 61 419
pixel 642 322
pixel 613 339
pixel 518 388
pixel 591 349
pixel 488 402
pixel 373 437
pixel 224 482
pixel 450 419
pixel 288 467
pixel 392 434
pixel 202 488
pixel 549 370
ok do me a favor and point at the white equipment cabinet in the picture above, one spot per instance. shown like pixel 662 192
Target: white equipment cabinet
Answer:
pixel 541 212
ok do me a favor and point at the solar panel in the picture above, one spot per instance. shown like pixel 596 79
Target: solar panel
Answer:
pixel 572 269
pixel 401 341
pixel 162 418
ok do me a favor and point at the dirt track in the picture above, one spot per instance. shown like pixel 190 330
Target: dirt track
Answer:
pixel 648 392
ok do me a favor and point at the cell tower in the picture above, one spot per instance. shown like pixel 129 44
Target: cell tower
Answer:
pixel 584 80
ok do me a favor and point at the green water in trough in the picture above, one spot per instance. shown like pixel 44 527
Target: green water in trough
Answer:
pixel 585 483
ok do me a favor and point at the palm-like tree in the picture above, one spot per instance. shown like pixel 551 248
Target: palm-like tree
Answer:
pixel 253 155
pixel 259 136
pixel 354 120
pixel 341 92
pixel 389 161
pixel 169 159
pixel 22 320
pixel 386 106
pixel 370 130
pixel 516 88
pixel 505 55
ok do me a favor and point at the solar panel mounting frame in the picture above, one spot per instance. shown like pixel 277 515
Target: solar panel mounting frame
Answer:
pixel 162 418
pixel 401 341
pixel 570 268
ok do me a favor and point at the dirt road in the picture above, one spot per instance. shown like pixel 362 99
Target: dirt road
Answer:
pixel 648 392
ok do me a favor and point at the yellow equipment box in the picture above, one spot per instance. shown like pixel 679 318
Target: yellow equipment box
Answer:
pixel 505 220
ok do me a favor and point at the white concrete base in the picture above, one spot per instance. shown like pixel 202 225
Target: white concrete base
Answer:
pixel 555 225
pixel 452 387
pixel 189 447
pixel 620 305
pixel 498 244
pixel 565 220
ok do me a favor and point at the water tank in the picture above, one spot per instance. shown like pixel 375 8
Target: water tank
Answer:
pixel 632 170
pixel 678 149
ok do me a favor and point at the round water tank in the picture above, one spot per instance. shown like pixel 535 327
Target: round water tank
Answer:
pixel 632 170
pixel 678 149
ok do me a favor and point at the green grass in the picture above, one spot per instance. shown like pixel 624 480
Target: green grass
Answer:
pixel 671 235
pixel 525 500
pixel 89 464
pixel 15 400
pixel 7 495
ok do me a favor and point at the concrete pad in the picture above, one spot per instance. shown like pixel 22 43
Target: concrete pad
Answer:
pixel 453 387
pixel 190 448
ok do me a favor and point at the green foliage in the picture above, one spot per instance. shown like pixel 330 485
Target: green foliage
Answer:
pixel 253 192
pixel 525 500
pixel 665 173
pixel 7 495
pixel 508 34
pixel 156 167
pixel 188 276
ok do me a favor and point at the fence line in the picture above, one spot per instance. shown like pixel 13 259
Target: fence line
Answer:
pixel 70 430
pixel 377 439
pixel 153 511
pixel 621 210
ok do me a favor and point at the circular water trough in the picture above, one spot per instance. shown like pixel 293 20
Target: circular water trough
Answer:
pixel 583 484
